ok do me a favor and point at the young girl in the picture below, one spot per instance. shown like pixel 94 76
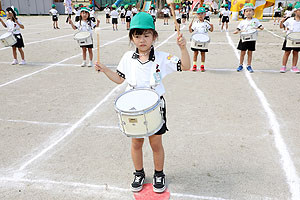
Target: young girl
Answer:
pixel 292 25
pixel 208 13
pixel 128 15
pixel 184 13
pixel 288 13
pixel 225 17
pixel 123 11
pixel 68 9
pixel 153 13
pixel 134 10
pixel 107 13
pixel 54 14
pixel 114 17
pixel 247 24
pixel 77 13
pixel 200 26
pixel 220 13
pixel 92 13
pixel 13 24
pixel 177 16
pixel 142 34
pixel 166 12
pixel 277 14
pixel 85 24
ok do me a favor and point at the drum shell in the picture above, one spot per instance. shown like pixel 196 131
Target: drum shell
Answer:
pixel 141 123
pixel 198 44
pixel 84 41
pixel 8 39
pixel 293 40
pixel 248 36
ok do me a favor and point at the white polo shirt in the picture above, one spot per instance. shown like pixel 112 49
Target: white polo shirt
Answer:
pixel 288 13
pixel 292 25
pixel 166 11
pixel 128 13
pixel 141 75
pixel 201 27
pixel 85 26
pixel 134 10
pixel 53 12
pixel 107 10
pixel 177 14
pixel 226 13
pixel 247 24
pixel 114 14
pixel 153 12
pixel 13 27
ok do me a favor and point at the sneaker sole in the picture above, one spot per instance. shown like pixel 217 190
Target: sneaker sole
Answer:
pixel 159 190
pixel 282 71
pixel 136 189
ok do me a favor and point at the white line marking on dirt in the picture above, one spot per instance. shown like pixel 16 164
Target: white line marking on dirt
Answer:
pixel 90 188
pixel 274 34
pixel 36 122
pixel 286 160
pixel 55 64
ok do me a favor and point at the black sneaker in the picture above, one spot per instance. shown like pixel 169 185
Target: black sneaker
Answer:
pixel 138 182
pixel 159 182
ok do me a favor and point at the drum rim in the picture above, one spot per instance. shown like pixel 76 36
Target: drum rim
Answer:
pixel 290 38
pixel 140 112
pixel 84 33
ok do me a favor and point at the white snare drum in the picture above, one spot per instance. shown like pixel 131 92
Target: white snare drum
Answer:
pixel 293 40
pixel 139 112
pixel 83 38
pixel 199 41
pixel 8 39
pixel 250 35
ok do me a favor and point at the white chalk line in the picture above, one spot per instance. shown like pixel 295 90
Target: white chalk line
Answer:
pixel 74 126
pixel 274 34
pixel 55 64
pixel 287 163
pixel 44 40
pixel 92 188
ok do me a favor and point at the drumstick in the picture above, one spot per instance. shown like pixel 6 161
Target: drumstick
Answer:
pixel 97 29
pixel 172 6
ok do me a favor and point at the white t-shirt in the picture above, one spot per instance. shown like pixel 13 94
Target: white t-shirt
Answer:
pixel 153 12
pixel 208 13
pixel 123 11
pixel 166 11
pixel 278 9
pixel 128 13
pixel 53 12
pixel 288 13
pixel 84 26
pixel 226 13
pixel 201 27
pixel 247 24
pixel 114 14
pixel 107 10
pixel 134 10
pixel 292 25
pixel 13 27
pixel 92 13
pixel 77 12
pixel 68 6
pixel 221 10
pixel 177 14
pixel 140 75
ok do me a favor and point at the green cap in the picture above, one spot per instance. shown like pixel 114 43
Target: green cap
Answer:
pixel 91 5
pixel 177 7
pixel 206 6
pixel 226 5
pixel 183 5
pixel 126 6
pixel 84 9
pixel 114 6
pixel 166 5
pixel 133 4
pixel 106 5
pixel 201 10
pixel 290 5
pixel 152 6
pixel 122 4
pixel 248 6
pixel 203 5
pixel 76 6
pixel 142 20
pixel 53 6
pixel 297 6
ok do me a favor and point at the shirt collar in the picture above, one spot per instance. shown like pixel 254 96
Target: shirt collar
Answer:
pixel 151 54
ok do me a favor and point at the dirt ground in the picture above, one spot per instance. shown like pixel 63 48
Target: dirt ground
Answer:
pixel 232 135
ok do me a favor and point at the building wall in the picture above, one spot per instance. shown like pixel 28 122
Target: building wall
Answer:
pixel 29 7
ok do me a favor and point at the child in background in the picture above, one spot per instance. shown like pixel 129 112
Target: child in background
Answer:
pixel 123 11
pixel 208 13
pixel 13 24
pixel 225 17
pixel 247 24
pixel 54 14
pixel 153 13
pixel 184 12
pixel 177 16
pixel 166 12
pixel 142 34
pixel 107 13
pixel 85 24
pixel 278 12
pixel 128 15
pixel 77 13
pixel 134 10
pixel 292 25
pixel 220 13
pixel 114 17
pixel 200 26
pixel 92 13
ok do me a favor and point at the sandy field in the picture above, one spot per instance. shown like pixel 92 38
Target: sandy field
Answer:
pixel 232 135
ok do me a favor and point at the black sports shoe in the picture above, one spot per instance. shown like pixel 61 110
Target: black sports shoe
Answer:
pixel 159 182
pixel 138 182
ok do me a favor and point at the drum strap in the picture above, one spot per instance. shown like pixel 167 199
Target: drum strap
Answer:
pixel 153 82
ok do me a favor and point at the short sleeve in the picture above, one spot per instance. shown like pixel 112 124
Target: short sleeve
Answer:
pixel 257 23
pixel 286 23
pixel 173 64
pixel 122 65
pixel 194 26
pixel 240 26
pixel 77 25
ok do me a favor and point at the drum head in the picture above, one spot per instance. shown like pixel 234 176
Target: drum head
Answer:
pixel 200 37
pixel 5 35
pixel 249 32
pixel 82 35
pixel 294 35
pixel 136 100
